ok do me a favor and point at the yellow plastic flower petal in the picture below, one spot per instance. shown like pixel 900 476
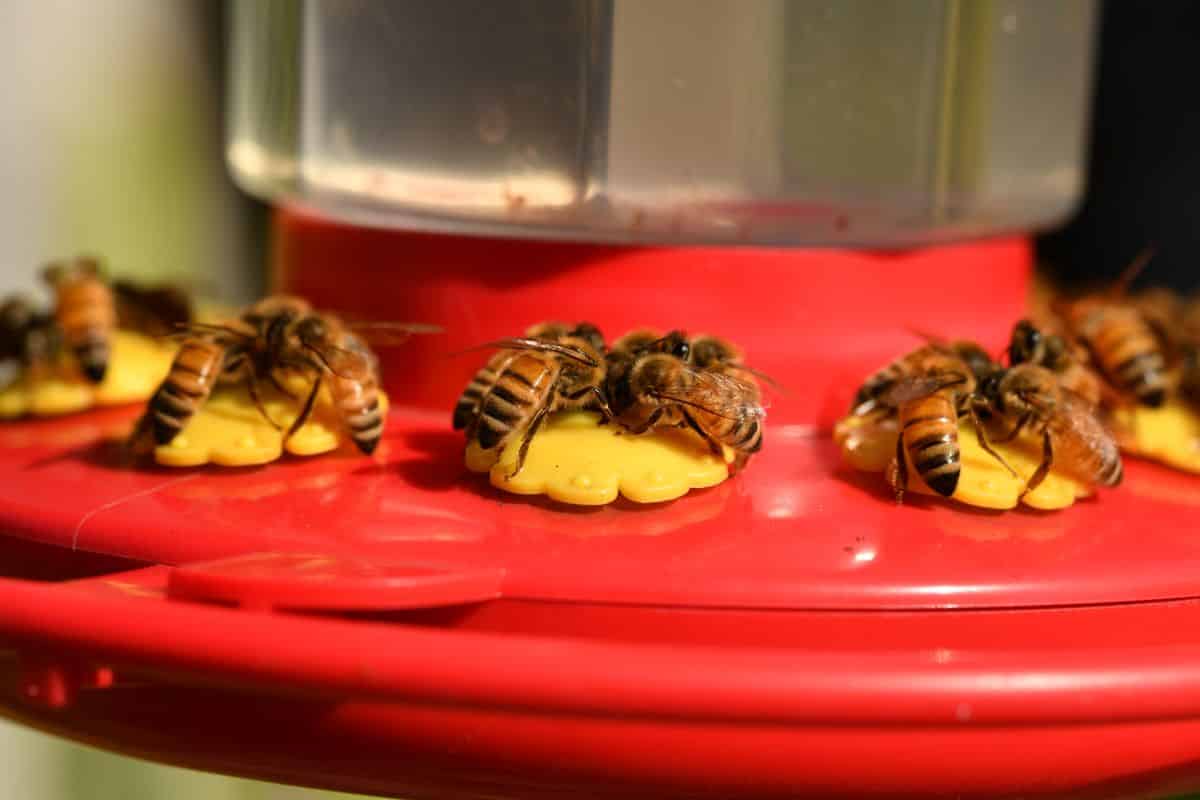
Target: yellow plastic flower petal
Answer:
pixel 1170 434
pixel 984 482
pixel 137 364
pixel 574 459
pixel 231 432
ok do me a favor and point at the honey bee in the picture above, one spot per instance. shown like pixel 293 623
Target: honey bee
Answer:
pixel 926 391
pixel 85 312
pixel 1031 397
pixel 277 336
pixel 1030 345
pixel 1121 341
pixel 292 337
pixel 552 368
pixel 620 360
pixel 1124 346
pixel 29 339
pixel 669 381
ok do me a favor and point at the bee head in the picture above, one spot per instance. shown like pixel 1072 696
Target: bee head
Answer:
pixel 675 344
pixel 1026 343
pixel 590 334
pixel 1026 388
pixel 654 373
pixel 991 388
pixel 74 269
pixel 709 351
pixel 311 329
pixel 976 358
pixel 16 313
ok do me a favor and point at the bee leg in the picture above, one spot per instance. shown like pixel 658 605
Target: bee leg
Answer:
pixel 983 442
pixel 1021 423
pixel 713 445
pixel 527 440
pixel 252 387
pixel 601 402
pixel 305 412
pixel 278 384
pixel 1043 469
pixel 899 476
pixel 649 423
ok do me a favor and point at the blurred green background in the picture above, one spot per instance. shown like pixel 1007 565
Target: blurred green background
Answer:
pixel 111 142
pixel 38 767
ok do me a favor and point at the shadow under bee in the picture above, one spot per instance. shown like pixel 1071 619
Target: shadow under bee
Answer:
pixel 436 462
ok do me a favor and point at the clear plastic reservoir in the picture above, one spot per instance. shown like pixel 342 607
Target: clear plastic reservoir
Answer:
pixel 808 122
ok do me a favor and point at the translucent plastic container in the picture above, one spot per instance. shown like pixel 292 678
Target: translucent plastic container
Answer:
pixel 807 122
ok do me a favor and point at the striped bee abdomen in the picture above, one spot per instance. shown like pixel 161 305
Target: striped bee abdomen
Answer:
pixel 929 428
pixel 358 404
pixel 86 314
pixel 467 408
pixel 1130 354
pixel 514 397
pixel 742 433
pixel 189 383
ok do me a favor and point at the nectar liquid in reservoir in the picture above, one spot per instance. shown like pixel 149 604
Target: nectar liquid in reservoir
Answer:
pixel 807 122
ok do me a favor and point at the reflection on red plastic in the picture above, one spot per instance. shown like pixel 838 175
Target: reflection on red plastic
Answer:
pixel 318 582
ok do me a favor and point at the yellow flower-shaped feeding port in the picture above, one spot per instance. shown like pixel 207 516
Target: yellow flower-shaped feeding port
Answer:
pixel 573 459
pixel 230 431
pixel 1170 435
pixel 137 364
pixel 984 482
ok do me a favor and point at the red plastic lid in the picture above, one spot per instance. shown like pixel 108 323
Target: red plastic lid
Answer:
pixel 796 530
pixel 667 671
pixel 411 528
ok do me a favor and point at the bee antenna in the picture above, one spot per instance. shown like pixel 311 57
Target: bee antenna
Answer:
pixel 1130 273
pixel 931 338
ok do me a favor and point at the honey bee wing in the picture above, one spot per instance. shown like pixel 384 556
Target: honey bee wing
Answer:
pixel 1075 424
pixel 389 334
pixel 350 363
pixel 717 393
pixel 168 306
pixel 191 329
pixel 730 382
pixel 764 377
pixel 915 387
pixel 521 343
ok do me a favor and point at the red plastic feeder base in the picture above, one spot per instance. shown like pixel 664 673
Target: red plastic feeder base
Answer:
pixel 393 625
